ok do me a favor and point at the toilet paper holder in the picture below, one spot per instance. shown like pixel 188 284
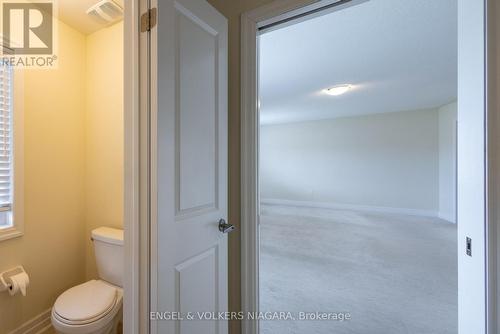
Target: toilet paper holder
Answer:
pixel 5 275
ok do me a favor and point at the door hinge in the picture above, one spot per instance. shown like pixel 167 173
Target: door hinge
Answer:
pixel 148 20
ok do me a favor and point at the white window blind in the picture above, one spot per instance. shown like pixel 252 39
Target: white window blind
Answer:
pixel 6 174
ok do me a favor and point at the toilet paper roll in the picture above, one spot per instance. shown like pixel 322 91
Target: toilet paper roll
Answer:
pixel 18 282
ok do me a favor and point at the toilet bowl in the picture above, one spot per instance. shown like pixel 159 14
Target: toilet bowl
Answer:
pixel 92 307
pixel 95 307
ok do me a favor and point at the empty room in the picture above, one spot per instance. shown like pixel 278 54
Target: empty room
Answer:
pixel 357 169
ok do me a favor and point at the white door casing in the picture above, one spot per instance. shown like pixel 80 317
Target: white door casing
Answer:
pixel 471 167
pixel 189 165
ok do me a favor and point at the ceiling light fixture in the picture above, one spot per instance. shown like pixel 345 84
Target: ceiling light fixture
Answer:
pixel 337 90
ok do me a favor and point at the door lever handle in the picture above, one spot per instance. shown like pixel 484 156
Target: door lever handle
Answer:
pixel 225 227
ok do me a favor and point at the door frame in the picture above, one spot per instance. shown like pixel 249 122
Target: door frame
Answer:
pixel 136 243
pixel 492 173
pixel 280 10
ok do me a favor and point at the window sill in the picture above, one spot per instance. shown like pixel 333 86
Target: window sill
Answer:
pixel 9 233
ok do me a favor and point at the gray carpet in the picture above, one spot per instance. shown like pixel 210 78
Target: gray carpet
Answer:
pixel 394 274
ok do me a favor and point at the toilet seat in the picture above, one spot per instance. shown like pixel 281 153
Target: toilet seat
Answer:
pixel 85 303
pixel 87 307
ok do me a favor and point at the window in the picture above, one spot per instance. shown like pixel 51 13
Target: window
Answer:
pixel 6 153
pixel 11 152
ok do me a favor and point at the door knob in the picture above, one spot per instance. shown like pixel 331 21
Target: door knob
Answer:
pixel 225 227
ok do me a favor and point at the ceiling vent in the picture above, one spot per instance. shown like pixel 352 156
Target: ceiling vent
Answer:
pixel 106 12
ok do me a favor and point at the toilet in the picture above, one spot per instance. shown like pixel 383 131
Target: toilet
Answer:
pixel 95 307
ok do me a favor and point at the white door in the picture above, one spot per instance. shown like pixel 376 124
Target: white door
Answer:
pixel 471 222
pixel 189 123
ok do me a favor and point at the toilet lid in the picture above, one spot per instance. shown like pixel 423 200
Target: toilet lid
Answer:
pixel 86 301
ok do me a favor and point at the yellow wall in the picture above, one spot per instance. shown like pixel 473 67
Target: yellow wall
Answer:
pixel 104 134
pixel 73 165
pixel 52 249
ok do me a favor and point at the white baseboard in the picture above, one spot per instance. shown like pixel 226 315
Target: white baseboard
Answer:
pixel 447 216
pixel 352 207
pixel 40 324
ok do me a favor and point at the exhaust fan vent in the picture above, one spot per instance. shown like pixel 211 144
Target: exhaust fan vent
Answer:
pixel 106 11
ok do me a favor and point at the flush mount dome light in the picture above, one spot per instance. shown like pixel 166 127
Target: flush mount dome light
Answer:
pixel 337 90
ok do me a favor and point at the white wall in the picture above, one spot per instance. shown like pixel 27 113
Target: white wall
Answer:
pixel 447 161
pixel 388 160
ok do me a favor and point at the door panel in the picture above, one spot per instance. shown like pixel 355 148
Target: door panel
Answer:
pixel 189 254
pixel 197 117
pixel 196 295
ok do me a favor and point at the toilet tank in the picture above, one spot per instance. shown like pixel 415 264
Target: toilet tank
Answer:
pixel 109 254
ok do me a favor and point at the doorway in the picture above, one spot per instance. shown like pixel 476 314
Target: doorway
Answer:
pixel 469 176
pixel 357 169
